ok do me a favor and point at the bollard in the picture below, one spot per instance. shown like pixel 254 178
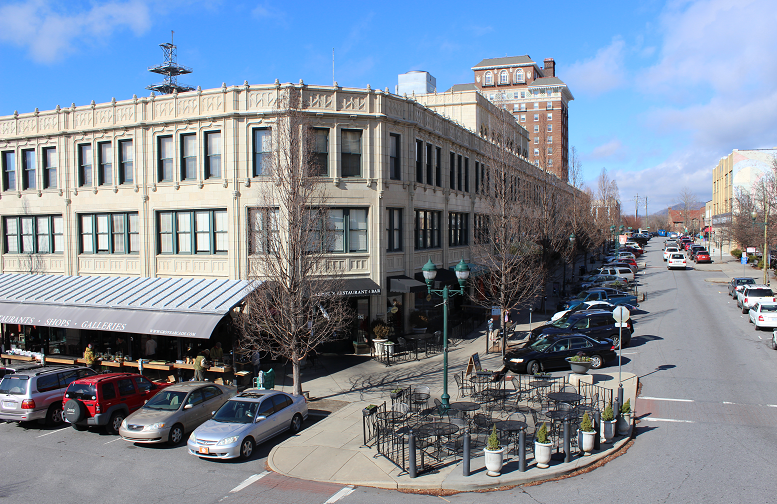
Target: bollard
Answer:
pixel 522 451
pixel 598 437
pixel 619 402
pixel 412 469
pixel 567 442
pixel 465 453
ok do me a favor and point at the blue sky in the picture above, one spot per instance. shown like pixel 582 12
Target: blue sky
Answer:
pixel 662 89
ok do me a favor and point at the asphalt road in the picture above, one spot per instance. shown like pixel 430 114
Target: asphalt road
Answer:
pixel 706 430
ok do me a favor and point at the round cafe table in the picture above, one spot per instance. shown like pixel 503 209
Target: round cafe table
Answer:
pixel 417 339
pixel 565 397
pixel 465 407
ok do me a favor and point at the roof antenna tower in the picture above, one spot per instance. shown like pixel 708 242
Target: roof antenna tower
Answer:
pixel 171 70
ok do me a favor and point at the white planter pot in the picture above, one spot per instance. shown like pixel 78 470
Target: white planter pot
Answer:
pixel 608 430
pixel 494 461
pixel 542 452
pixel 624 423
pixel 587 440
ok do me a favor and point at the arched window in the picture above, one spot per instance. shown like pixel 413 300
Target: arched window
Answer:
pixel 519 76
pixel 489 79
pixel 503 79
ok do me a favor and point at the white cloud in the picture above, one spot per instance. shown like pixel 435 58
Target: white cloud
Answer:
pixel 611 149
pixel 50 34
pixel 268 11
pixel 599 74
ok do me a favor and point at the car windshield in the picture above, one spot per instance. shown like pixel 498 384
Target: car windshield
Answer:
pixel 768 307
pixel 678 256
pixel 81 391
pixel 237 412
pixel 14 385
pixel 561 323
pixel 166 400
pixel 746 281
pixel 541 344
pixel 760 293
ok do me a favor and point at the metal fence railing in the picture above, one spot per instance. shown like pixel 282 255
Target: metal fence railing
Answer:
pixel 370 423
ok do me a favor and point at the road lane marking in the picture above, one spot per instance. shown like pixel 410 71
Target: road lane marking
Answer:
pixel 52 432
pixel 249 480
pixel 343 492
pixel 728 402
pixel 665 399
pixel 673 420
pixel 109 442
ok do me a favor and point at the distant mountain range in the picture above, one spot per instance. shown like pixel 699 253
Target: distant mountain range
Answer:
pixel 678 206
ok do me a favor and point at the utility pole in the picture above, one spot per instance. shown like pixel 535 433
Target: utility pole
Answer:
pixel 647 215
pixel 636 209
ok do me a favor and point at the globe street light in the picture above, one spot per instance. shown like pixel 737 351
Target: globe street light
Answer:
pixel 462 274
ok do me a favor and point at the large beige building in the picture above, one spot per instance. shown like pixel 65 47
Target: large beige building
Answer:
pixel 167 186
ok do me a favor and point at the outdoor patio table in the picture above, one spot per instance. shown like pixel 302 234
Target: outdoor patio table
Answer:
pixel 565 397
pixel 511 427
pixel 419 398
pixel 465 407
pixel 417 339
pixel 538 385
pixel 480 383
pixel 389 418
pixel 438 430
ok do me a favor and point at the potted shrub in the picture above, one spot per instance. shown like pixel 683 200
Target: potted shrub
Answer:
pixel 608 423
pixel 396 393
pixel 381 331
pixel 418 321
pixel 624 421
pixel 494 454
pixel 587 434
pixel 579 363
pixel 370 410
pixel 542 447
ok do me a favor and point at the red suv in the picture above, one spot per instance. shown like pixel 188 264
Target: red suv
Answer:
pixel 106 399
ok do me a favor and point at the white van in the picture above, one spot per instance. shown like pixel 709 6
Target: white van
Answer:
pixel 619 271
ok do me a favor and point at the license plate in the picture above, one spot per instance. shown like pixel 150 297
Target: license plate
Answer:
pixel 9 405
pixel 204 449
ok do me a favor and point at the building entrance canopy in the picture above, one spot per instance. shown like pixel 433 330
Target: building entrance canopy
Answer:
pixel 189 308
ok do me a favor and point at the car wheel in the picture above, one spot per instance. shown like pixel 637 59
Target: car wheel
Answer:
pixel 115 422
pixel 54 415
pixel 246 448
pixel 596 362
pixel 744 309
pixel 615 340
pixel 296 423
pixel 774 342
pixel 533 367
pixel 176 435
pixel 756 326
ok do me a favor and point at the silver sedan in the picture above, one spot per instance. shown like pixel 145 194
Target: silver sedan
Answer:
pixel 246 420
pixel 174 411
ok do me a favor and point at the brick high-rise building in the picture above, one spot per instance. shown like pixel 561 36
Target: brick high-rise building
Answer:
pixel 538 99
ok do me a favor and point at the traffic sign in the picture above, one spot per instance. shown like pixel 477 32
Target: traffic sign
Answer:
pixel 621 314
pixel 743 260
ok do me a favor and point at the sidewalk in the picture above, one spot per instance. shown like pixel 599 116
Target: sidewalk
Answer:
pixel 331 450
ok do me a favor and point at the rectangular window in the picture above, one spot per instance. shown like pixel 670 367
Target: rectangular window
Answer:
pixel 188 157
pixel 550 117
pixel 429 159
pixel 103 233
pixel 419 161
pixel 9 171
pixel 438 167
pixel 477 177
pixel 165 159
pixel 523 117
pixel 84 165
pixel 394 219
pixel 321 151
pixel 49 168
pixel 550 128
pixel 536 117
pixel 523 105
pixel 115 233
pixel 357 222
pixel 351 153
pixel 452 170
pixel 264 230
pixel 212 155
pixel 395 166
pixel 481 229
pixel 458 229
pixel 458 174
pixel 105 161
pixel 536 128
pixel 193 231
pixel 536 140
pixel 536 106
pixel 550 139
pixel 28 169
pixel 523 94
pixel 348 228
pixel 536 152
pixel 262 151
pixel 550 150
pixel 42 234
pixel 126 162
pixel 466 174
pixel 427 229
pixel 549 106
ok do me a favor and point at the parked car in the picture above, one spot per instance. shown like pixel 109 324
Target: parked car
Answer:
pixel 676 261
pixel 246 420
pixel 598 324
pixel 702 256
pixel 763 315
pixel 752 294
pixel 601 294
pixel 550 352
pixel 631 265
pixel 739 283
pixel 591 305
pixel 693 250
pixel 107 399
pixel 619 271
pixel 174 411
pixel 604 280
pixel 17 366
pixel 36 393
pixel 669 251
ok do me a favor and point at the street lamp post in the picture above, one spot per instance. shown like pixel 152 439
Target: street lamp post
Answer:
pixel 462 274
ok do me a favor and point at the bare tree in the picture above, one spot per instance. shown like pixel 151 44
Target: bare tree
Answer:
pixel 298 301
pixel 687 199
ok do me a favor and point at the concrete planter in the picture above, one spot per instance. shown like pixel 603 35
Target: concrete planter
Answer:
pixel 586 440
pixel 579 367
pixel 494 461
pixel 608 429
pixel 542 452
pixel 624 423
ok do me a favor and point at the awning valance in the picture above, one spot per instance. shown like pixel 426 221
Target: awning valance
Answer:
pixel 189 308
pixel 405 284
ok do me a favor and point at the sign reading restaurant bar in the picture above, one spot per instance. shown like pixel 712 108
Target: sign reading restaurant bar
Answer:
pixel 161 323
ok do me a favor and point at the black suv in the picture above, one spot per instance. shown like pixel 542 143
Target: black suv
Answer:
pixel 597 324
